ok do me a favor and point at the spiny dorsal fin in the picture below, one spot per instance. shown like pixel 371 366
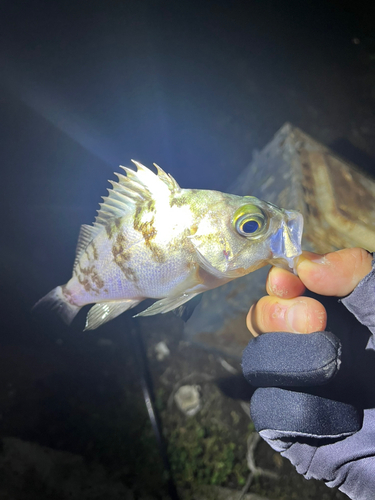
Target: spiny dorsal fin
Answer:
pixel 134 187
pixel 86 235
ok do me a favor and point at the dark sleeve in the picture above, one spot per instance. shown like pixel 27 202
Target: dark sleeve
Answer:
pixel 348 464
pixel 361 303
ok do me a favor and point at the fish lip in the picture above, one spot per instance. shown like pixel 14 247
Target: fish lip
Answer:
pixel 285 244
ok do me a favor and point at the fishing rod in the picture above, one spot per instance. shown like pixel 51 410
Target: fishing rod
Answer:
pixel 149 398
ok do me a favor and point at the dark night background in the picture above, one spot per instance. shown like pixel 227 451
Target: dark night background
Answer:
pixel 194 87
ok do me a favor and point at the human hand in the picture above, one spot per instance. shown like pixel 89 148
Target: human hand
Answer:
pixel 286 310
pixel 310 404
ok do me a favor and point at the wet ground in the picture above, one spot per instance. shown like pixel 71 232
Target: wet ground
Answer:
pixel 196 88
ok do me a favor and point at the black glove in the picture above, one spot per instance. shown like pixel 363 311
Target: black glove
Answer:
pixel 276 360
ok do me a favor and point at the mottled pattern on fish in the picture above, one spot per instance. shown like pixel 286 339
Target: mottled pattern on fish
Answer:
pixel 152 239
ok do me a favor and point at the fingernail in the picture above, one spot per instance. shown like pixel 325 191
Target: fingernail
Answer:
pixel 249 322
pixel 309 257
pixel 297 318
pixel 320 259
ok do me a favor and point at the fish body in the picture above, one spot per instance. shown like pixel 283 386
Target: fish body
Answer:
pixel 152 239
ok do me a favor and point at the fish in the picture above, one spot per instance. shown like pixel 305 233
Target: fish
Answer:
pixel 151 239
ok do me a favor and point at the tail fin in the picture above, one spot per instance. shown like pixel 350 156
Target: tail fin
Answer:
pixel 56 301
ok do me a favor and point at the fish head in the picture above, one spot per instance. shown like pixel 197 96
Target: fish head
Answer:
pixel 238 235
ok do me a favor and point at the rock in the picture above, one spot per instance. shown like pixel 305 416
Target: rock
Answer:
pixel 162 351
pixel 188 399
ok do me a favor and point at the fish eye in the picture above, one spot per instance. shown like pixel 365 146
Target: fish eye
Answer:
pixel 250 226
pixel 249 221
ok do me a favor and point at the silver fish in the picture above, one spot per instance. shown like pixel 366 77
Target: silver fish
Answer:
pixel 152 239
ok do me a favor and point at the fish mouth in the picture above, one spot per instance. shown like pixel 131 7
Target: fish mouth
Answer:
pixel 286 242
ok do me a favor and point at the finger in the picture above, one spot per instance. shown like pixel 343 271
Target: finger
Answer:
pixel 336 273
pixel 284 284
pixel 299 315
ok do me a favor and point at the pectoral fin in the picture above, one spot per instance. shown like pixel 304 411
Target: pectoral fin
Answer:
pixel 105 311
pixel 186 310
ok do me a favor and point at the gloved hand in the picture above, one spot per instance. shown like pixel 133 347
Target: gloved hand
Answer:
pixel 316 394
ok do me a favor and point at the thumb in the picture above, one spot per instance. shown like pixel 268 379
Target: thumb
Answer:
pixel 336 273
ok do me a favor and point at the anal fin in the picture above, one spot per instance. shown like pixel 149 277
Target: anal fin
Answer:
pixel 105 311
